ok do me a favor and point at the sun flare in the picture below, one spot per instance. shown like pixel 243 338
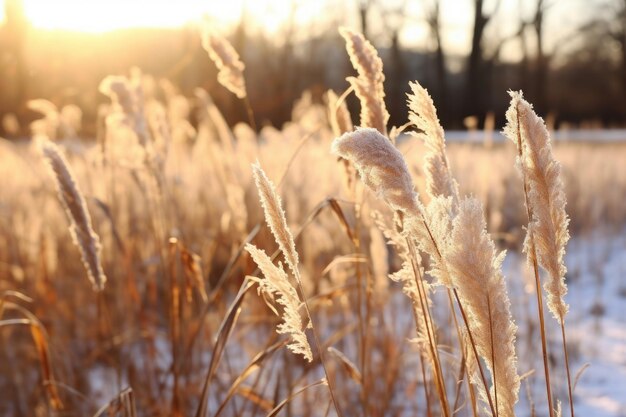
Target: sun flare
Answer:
pixel 103 16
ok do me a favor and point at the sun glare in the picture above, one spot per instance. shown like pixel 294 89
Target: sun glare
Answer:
pixel 97 16
pixel 102 16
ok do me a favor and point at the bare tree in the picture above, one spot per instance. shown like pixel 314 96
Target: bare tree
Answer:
pixel 618 33
pixel 393 19
pixel 364 8
pixel 475 87
pixel 542 61
pixel 433 18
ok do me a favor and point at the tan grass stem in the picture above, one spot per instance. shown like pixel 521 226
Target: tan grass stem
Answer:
pixel 275 218
pixel 533 259
pixel 75 207
pixel 544 193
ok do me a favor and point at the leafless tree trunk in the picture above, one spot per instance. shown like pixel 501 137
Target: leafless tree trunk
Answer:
pixel 541 70
pixel 364 7
pixel 475 87
pixel 620 37
pixel 434 23
pixel 393 19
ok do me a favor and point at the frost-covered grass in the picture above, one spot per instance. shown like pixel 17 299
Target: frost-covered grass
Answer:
pixel 180 327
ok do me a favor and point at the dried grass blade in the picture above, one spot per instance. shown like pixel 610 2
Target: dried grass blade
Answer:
pixel 254 397
pixel 284 402
pixel 222 337
pixel 252 367
pixel 349 366
pixel 41 344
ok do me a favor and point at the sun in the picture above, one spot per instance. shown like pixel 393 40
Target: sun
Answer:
pixel 96 16
pixel 102 16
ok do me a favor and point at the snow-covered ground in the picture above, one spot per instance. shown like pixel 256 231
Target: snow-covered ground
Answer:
pixel 595 325
pixel 573 135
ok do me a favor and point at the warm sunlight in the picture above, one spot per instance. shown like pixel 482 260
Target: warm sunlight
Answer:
pixel 103 16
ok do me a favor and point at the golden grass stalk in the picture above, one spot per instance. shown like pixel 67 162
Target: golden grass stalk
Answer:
pixel 547 232
pixel 546 197
pixel 444 193
pixel 383 169
pixel 73 202
pixel 119 90
pixel 227 61
pixel 127 96
pixel 338 114
pixel 476 273
pixel 277 287
pixel 368 86
pixel 423 115
pixel 275 217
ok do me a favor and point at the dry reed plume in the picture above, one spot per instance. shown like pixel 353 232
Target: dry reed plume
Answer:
pixel 380 165
pixel 476 273
pixel 75 207
pixel 338 114
pixel 423 115
pixel 227 61
pixel 547 231
pixel 275 217
pixel 276 284
pixel 368 86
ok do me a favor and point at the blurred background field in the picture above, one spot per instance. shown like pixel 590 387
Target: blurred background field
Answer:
pixel 174 261
pixel 569 56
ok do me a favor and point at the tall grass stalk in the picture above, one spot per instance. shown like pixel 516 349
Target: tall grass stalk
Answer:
pixel 533 259
pixel 275 218
pixel 547 232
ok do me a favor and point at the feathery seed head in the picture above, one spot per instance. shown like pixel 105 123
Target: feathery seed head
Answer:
pixel 547 233
pixel 277 287
pixel 275 217
pixel 475 269
pixel 227 61
pixel 380 165
pixel 339 115
pixel 368 86
pixel 423 115
pixel 75 207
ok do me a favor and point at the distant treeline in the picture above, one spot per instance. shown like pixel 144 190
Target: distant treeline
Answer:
pixel 586 83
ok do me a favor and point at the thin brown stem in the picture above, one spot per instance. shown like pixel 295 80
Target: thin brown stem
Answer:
pixel 533 255
pixel 456 295
pixel 480 368
pixel 471 393
pixel 461 346
pixel 429 330
pixel 246 102
pixel 569 380
pixel 363 321
pixel 493 354
pixel 318 346
pixel 459 383
pixel 426 393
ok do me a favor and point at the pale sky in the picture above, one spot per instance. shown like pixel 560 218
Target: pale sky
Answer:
pixel 100 16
